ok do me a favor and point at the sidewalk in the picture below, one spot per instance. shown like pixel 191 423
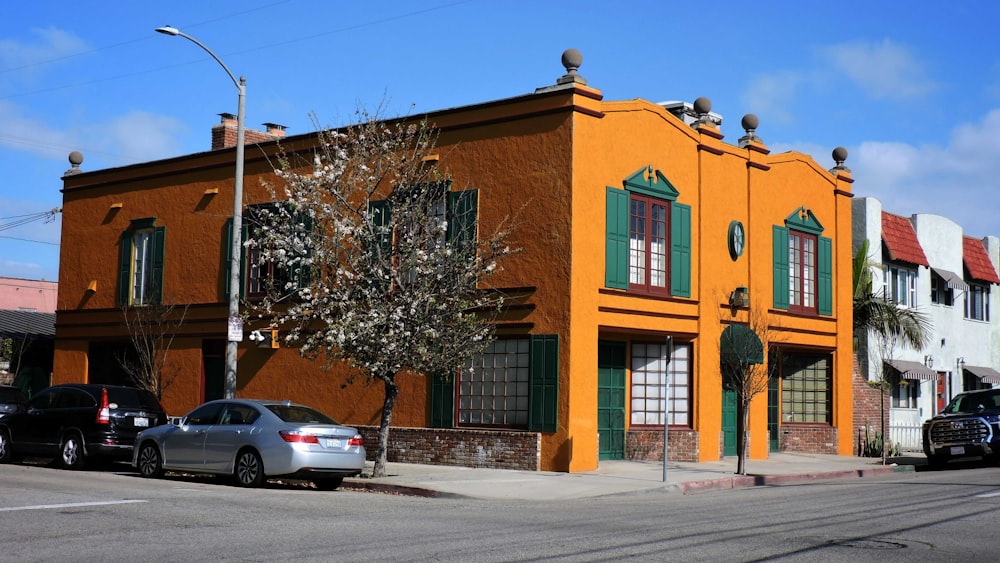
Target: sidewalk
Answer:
pixel 622 477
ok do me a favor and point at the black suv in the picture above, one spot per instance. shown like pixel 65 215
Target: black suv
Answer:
pixel 968 426
pixel 76 422
pixel 12 400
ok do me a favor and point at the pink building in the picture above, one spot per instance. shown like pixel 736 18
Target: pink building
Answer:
pixel 28 295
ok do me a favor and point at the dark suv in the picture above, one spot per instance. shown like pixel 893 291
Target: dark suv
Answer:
pixel 12 400
pixel 968 426
pixel 76 422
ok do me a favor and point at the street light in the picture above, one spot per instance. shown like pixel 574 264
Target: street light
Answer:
pixel 235 332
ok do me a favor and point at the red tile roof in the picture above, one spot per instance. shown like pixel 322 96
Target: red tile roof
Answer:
pixel 901 240
pixel 977 261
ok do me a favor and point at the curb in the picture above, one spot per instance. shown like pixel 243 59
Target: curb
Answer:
pixel 745 481
pixel 389 488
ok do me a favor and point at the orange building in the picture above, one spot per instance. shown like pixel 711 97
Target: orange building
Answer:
pixel 640 223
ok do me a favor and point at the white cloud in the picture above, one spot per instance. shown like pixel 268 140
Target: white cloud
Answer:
pixel 140 136
pixel 884 70
pixel 51 45
pixel 957 181
pixel 770 95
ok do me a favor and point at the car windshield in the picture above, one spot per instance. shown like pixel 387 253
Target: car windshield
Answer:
pixel 972 402
pixel 300 415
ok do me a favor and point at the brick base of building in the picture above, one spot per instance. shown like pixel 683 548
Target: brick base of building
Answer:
pixel 808 438
pixel 491 449
pixel 870 405
pixel 647 445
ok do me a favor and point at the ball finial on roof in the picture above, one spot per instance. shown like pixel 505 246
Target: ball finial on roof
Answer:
pixel 750 122
pixel 839 155
pixel 76 158
pixel 572 59
pixel 702 105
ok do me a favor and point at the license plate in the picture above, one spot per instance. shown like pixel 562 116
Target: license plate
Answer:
pixel 332 442
pixel 957 450
pixel 140 422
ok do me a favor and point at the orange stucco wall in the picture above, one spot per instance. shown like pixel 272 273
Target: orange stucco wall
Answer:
pixel 544 160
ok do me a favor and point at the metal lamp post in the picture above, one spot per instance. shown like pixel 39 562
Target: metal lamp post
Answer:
pixel 235 324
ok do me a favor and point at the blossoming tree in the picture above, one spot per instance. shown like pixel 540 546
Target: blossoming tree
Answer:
pixel 378 262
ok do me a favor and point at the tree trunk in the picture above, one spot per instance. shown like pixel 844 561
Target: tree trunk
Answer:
pixel 381 453
pixel 743 436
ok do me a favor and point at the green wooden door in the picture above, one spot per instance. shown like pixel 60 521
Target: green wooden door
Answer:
pixel 730 421
pixel 611 399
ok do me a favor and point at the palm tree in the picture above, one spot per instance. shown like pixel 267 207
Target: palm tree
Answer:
pixel 878 316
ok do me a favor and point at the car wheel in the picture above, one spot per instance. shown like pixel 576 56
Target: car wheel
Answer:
pixel 936 461
pixel 5 453
pixel 328 484
pixel 71 452
pixel 249 471
pixel 150 465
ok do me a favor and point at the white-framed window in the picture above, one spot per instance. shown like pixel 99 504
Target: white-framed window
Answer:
pixel 648 261
pixel 904 393
pixel 900 285
pixel 649 373
pixel 142 266
pixel 977 302
pixel 941 294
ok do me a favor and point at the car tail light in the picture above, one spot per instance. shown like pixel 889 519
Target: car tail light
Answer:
pixel 104 415
pixel 297 437
pixel 356 441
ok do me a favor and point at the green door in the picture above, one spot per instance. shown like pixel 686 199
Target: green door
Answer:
pixel 730 421
pixel 214 367
pixel 611 399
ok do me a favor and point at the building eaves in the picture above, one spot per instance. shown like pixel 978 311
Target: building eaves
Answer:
pixel 900 240
pixel 977 262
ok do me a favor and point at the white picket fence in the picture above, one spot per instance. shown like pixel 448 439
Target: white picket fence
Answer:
pixel 907 436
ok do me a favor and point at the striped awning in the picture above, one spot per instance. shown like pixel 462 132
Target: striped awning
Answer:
pixel 986 374
pixel 951 279
pixel 913 370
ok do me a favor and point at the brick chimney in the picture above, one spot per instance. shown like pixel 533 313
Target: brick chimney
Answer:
pixel 224 133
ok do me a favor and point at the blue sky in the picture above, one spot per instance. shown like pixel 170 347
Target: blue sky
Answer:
pixel 910 88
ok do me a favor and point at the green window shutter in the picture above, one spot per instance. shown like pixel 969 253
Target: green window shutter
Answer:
pixel 228 238
pixel 680 250
pixel 442 401
pixel 462 211
pixel 825 276
pixel 544 399
pixel 304 273
pixel 159 241
pixel 381 214
pixel 616 239
pixel 124 268
pixel 780 246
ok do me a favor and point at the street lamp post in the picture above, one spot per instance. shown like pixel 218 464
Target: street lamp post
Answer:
pixel 235 324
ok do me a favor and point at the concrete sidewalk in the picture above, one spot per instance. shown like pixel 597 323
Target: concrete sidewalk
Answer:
pixel 622 477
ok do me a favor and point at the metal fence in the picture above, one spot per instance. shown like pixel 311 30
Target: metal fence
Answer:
pixel 907 436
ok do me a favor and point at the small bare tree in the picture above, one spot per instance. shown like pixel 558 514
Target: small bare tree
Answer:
pixel 384 266
pixel 151 329
pixel 746 369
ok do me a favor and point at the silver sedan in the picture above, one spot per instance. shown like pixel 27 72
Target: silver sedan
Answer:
pixel 253 440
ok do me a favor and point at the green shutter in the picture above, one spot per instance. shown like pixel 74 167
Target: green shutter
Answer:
pixel 825 276
pixel 442 401
pixel 780 246
pixel 462 210
pixel 304 273
pixel 124 268
pixel 159 241
pixel 680 250
pixel 544 400
pixel 381 214
pixel 616 239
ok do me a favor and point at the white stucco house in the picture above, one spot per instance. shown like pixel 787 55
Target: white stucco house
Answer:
pixel 927 262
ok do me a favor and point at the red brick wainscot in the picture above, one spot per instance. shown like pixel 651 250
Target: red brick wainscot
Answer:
pixel 870 405
pixel 647 444
pixel 491 449
pixel 809 438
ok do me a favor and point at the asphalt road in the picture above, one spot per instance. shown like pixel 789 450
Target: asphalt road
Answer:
pixel 113 515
